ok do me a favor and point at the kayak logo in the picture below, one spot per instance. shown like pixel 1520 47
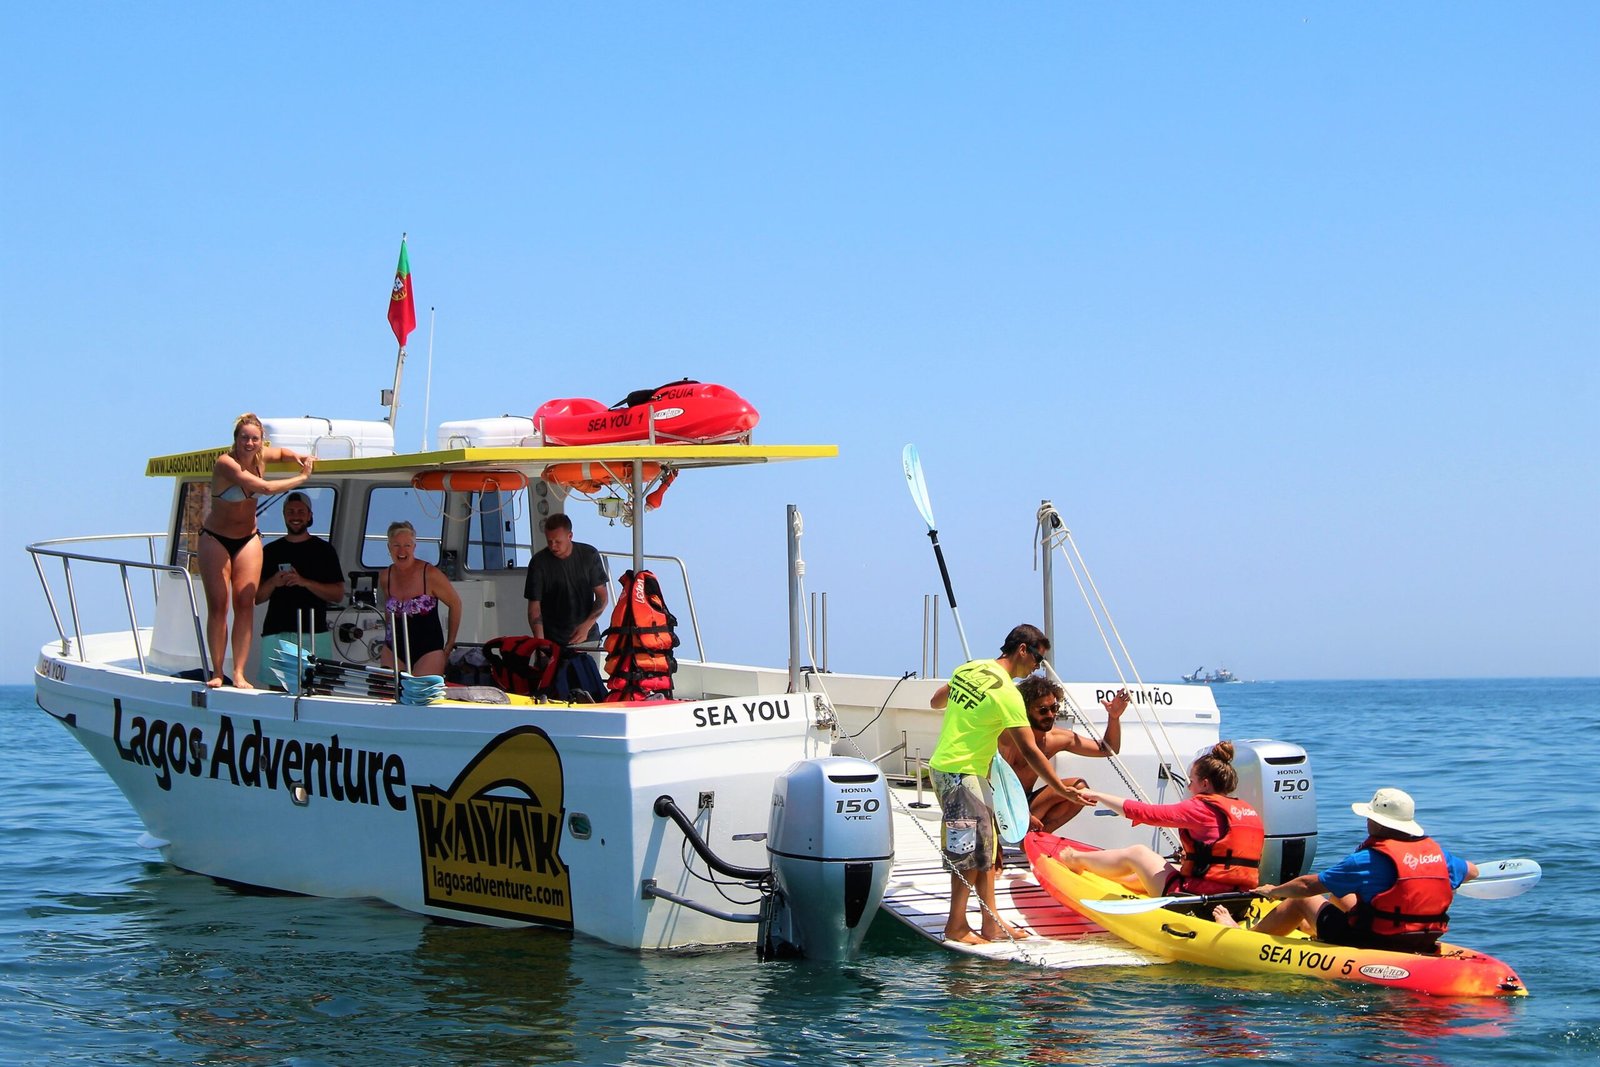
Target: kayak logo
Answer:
pixel 1385 972
pixel 1413 861
pixel 490 843
pixel 667 413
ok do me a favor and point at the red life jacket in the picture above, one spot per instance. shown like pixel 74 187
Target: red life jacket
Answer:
pixel 1419 900
pixel 1234 858
pixel 522 664
pixel 640 640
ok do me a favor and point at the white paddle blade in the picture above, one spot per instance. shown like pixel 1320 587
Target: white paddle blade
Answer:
pixel 1128 905
pixel 1501 879
pixel 919 488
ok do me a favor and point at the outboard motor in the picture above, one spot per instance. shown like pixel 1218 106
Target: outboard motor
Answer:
pixel 830 839
pixel 1275 778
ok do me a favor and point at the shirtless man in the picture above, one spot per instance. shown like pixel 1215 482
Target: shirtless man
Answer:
pixel 1049 810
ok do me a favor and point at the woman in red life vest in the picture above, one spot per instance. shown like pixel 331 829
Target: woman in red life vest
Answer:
pixel 1393 892
pixel 1221 835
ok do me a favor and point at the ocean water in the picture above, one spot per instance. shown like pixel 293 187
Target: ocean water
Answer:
pixel 107 956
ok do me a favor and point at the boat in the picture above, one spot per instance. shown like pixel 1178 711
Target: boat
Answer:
pixel 1454 972
pixel 1222 676
pixel 752 808
pixel 683 411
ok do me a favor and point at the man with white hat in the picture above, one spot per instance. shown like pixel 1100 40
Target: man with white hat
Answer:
pixel 1393 892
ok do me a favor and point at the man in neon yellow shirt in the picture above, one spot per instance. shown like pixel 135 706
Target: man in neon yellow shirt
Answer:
pixel 982 704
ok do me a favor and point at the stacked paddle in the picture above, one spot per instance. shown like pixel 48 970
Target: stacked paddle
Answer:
pixel 298 671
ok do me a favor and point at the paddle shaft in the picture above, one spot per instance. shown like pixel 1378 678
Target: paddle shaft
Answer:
pixel 911 463
pixel 949 591
pixel 1497 880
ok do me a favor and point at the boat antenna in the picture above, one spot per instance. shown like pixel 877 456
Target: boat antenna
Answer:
pixel 427 390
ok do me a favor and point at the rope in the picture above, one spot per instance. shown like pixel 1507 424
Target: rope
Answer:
pixel 1060 537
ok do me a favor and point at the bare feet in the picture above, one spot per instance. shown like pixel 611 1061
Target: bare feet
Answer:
pixel 241 683
pixel 214 683
pixel 1069 856
pixel 1003 930
pixel 966 936
pixel 1223 917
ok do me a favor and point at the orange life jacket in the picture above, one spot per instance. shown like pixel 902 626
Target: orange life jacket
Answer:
pixel 1419 900
pixel 1234 858
pixel 640 640
pixel 641 622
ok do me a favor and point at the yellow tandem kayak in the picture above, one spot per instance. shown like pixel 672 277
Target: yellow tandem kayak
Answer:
pixel 1455 971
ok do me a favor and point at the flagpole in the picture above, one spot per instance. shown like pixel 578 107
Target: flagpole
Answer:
pixel 427 392
pixel 394 394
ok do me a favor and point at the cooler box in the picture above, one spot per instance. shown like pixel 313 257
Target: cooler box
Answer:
pixel 331 438
pixel 506 431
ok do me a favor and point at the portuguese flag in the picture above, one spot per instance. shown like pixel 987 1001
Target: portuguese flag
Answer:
pixel 402 303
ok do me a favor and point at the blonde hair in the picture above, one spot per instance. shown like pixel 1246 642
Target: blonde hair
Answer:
pixel 395 527
pixel 259 463
pixel 1216 767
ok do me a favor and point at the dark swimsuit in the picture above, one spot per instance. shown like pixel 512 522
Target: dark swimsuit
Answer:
pixel 423 628
pixel 232 544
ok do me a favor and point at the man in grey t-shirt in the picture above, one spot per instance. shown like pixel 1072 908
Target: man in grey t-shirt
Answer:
pixel 566 586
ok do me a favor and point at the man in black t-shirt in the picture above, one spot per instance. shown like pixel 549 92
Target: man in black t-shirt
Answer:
pixel 566 586
pixel 300 577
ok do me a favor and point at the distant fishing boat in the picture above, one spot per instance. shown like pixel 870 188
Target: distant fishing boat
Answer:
pixel 1201 677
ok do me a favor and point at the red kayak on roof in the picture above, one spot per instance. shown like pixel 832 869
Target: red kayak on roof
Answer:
pixel 681 412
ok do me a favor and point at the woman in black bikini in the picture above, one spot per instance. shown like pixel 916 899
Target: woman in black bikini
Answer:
pixel 230 547
pixel 413 590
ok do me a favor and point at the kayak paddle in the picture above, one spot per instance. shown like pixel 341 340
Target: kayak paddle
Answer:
pixel 1497 880
pixel 919 495
pixel 1500 879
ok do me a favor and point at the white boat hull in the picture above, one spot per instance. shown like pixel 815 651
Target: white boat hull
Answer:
pixel 495 814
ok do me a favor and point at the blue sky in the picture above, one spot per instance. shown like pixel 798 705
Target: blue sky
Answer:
pixel 1292 309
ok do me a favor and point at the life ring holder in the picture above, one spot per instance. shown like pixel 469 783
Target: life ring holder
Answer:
pixel 598 480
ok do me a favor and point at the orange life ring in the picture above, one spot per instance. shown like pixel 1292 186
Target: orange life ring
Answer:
pixel 592 477
pixel 469 481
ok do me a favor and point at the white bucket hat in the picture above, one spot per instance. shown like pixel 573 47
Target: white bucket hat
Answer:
pixel 1393 808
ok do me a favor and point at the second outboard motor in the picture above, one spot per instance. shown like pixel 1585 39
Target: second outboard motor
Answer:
pixel 1275 777
pixel 830 839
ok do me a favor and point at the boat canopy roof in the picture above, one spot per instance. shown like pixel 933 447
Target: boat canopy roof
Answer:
pixel 529 461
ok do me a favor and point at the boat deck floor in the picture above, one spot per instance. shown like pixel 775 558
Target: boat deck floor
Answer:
pixel 918 895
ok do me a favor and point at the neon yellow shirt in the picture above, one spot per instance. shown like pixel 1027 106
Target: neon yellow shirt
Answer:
pixel 983 702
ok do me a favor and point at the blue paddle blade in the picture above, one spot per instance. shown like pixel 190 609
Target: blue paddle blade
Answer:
pixel 1010 801
pixel 912 463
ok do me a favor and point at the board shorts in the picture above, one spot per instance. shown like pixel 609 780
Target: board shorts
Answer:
pixel 967 833
pixel 1334 927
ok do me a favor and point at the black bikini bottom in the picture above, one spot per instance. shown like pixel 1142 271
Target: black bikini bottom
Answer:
pixel 232 544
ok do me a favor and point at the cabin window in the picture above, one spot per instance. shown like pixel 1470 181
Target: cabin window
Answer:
pixel 196 496
pixel 191 514
pixel 504 529
pixel 269 517
pixel 401 504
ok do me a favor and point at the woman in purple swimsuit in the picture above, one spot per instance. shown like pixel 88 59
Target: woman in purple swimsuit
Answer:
pixel 413 590
pixel 230 547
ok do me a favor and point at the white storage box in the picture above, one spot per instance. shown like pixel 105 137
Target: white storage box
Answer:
pixel 507 431
pixel 331 438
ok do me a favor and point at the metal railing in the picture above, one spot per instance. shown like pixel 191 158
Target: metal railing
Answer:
pixel 53 550
pixel 688 593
